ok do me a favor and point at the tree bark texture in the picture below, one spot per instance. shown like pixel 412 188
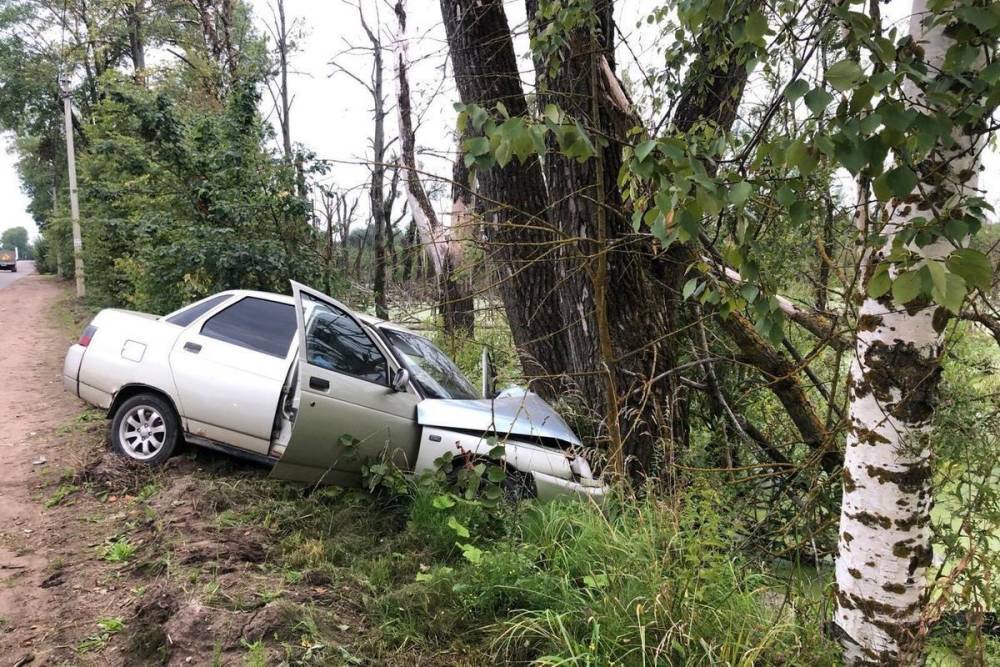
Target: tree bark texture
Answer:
pixel 511 201
pixel 443 248
pixel 885 538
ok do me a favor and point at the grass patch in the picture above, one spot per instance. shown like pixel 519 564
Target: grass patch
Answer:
pixel 118 550
pixel 61 493
pixel 106 628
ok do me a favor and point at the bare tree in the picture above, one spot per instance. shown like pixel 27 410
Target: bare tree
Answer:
pixel 440 241
pixel 380 199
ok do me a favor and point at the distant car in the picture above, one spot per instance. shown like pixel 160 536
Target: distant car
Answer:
pixel 312 388
pixel 8 260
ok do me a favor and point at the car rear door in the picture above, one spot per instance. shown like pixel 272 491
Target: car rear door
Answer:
pixel 347 410
pixel 230 368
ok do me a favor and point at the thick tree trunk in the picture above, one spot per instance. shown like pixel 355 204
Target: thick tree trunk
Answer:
pixel 885 546
pixel 610 301
pixel 511 200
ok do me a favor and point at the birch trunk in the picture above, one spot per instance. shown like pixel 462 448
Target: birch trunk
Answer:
pixel 885 538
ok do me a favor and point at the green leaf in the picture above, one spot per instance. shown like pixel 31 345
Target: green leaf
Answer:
pixel 477 146
pixel 552 114
pixel 952 294
pixel 818 100
pixel 844 74
pixel 471 553
pixel 901 180
pixel 689 288
pixel 643 150
pixel 799 211
pixel 785 195
pixel 596 580
pixel 799 155
pixel 973 266
pixel 906 287
pixel 503 153
pixel 443 502
pixel 756 26
pixel 739 193
pixel 796 89
pixel 459 529
pixel 880 282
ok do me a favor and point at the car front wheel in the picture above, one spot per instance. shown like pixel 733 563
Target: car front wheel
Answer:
pixel 145 429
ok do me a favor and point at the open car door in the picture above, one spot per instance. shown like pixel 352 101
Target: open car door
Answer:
pixel 348 411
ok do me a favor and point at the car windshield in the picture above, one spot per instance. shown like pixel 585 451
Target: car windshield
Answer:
pixel 429 367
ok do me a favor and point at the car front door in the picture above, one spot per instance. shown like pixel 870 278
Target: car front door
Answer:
pixel 348 411
pixel 230 369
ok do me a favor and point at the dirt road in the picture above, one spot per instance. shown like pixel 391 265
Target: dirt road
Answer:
pixel 32 404
pixel 8 278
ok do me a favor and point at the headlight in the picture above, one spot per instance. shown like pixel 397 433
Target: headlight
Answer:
pixel 581 469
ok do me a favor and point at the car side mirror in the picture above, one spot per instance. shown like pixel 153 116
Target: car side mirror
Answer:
pixel 489 376
pixel 400 380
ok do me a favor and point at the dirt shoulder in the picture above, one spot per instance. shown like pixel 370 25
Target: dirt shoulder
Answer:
pixel 32 407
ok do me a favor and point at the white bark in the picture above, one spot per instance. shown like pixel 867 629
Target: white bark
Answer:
pixel 432 232
pixel 885 540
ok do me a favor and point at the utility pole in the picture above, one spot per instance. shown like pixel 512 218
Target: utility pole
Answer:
pixel 74 205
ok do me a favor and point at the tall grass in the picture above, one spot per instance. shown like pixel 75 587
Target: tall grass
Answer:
pixel 644 582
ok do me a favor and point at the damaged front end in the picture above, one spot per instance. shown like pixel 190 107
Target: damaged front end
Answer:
pixel 535 438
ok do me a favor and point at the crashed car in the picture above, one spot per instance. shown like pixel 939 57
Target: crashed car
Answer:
pixel 304 384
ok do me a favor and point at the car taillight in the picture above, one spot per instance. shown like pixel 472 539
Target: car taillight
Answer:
pixel 87 335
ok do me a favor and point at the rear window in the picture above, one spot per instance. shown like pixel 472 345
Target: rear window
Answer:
pixel 256 324
pixel 194 311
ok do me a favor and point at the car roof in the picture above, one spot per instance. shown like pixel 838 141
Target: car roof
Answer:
pixel 285 298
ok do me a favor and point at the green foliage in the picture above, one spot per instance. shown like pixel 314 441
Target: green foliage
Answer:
pixel 182 203
pixel 966 515
pixel 118 550
pixel 16 237
pixel 573 585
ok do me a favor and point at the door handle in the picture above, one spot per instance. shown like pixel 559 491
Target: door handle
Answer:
pixel 192 347
pixel 319 383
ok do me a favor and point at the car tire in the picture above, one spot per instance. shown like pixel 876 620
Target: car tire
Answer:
pixel 145 429
pixel 518 486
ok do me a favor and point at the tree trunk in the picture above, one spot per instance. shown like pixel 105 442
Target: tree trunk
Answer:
pixel 136 42
pixel 511 200
pixel 377 187
pixel 443 249
pixel 609 297
pixel 885 538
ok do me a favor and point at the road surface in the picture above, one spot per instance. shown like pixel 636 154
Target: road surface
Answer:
pixel 24 268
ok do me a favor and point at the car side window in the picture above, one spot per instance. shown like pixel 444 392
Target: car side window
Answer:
pixel 193 312
pixel 336 342
pixel 256 324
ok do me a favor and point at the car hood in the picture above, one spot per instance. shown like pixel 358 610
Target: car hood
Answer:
pixel 513 412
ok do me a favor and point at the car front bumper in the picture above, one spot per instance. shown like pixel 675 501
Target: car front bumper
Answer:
pixel 550 487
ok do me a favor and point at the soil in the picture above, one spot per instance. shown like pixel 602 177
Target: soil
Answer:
pixel 36 616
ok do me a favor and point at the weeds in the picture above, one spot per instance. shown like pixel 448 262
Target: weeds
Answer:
pixel 118 550
pixel 106 628
pixel 61 493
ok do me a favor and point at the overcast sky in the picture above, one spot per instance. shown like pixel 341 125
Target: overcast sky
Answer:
pixel 331 113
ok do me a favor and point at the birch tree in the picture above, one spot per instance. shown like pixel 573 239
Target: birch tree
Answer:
pixel 913 280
